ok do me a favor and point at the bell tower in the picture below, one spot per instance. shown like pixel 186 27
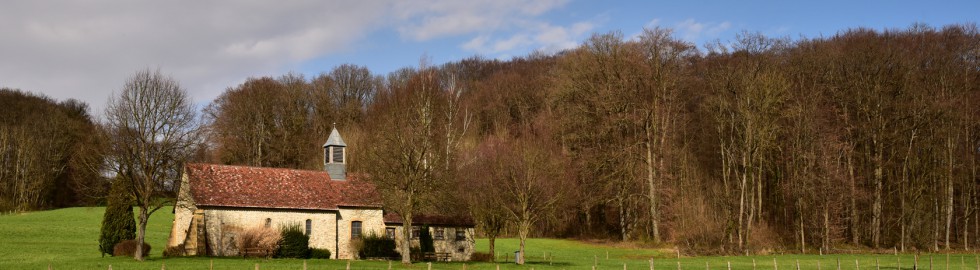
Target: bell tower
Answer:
pixel 335 156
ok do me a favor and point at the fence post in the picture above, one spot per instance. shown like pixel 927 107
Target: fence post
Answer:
pixel 838 263
pixel 857 265
pixel 304 264
pixel 729 265
pixel 389 265
pixel 163 266
pixel 818 265
pixel 797 264
pixel 110 267
pixel 877 266
pixel 930 262
pixel 348 264
pixel 947 261
pixel 706 266
pixel 256 266
pixel 753 263
pixel 651 264
pixel 211 265
pixel 774 265
pixel 429 266
pixel 678 265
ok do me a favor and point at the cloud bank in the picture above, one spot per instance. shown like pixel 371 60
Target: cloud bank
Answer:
pixel 86 49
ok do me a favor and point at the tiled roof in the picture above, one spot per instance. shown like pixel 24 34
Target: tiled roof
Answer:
pixel 425 219
pixel 241 186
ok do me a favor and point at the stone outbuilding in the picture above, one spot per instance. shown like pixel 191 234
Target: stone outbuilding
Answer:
pixel 453 237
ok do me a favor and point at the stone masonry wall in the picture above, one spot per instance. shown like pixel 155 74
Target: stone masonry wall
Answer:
pixel 224 226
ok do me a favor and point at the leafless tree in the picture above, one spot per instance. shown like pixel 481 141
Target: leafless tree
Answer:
pixel 151 127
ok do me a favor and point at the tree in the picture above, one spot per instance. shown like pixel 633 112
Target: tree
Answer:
pixel 407 156
pixel 530 185
pixel 118 223
pixel 151 130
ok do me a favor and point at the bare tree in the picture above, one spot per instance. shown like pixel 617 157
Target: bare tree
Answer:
pixel 151 128
pixel 407 155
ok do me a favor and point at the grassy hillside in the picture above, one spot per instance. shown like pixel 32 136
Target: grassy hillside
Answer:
pixel 68 239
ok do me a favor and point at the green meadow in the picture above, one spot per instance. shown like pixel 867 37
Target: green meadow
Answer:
pixel 68 239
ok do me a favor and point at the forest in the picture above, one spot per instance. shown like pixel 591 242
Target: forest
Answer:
pixel 863 139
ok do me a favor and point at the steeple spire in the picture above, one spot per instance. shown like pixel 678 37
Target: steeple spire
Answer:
pixel 335 156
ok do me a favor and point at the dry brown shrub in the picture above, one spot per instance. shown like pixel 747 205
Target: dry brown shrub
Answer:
pixel 258 241
pixel 128 248
pixel 698 227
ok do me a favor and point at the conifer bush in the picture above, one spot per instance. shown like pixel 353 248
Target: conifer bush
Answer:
pixel 294 243
pixel 118 223
pixel 377 246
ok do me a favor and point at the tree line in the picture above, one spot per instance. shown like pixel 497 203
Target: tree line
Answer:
pixel 864 138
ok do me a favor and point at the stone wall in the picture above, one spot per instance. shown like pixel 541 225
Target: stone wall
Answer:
pixel 223 226
pixel 372 221
pixel 458 249
pixel 183 214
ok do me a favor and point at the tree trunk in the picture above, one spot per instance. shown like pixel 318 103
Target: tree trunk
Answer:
pixel 654 215
pixel 854 211
pixel 878 189
pixel 493 251
pixel 141 233
pixel 523 228
pixel 949 190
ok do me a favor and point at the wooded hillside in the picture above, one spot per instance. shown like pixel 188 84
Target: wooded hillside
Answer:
pixel 864 138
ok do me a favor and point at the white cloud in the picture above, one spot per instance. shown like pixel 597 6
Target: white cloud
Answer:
pixel 692 30
pixel 428 19
pixel 539 36
pixel 86 50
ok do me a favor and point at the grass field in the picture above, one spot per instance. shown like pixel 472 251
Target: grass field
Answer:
pixel 68 239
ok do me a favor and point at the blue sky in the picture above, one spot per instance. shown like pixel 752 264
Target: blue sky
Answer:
pixel 85 50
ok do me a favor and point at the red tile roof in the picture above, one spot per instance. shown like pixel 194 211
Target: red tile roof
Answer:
pixel 241 186
pixel 427 219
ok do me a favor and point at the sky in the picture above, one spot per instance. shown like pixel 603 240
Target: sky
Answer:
pixel 86 49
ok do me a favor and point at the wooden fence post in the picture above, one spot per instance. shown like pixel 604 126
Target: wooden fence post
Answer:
pixel 389 265
pixel 753 263
pixel 429 266
pixel 651 264
pixel 797 264
pixel 818 265
pixel 706 266
pixel 211 265
pixel 930 262
pixel 348 265
pixel 110 267
pixel 163 266
pixel 774 265
pixel 678 265
pixel 304 264
pixel 729 265
pixel 877 266
pixel 256 266
pixel 857 265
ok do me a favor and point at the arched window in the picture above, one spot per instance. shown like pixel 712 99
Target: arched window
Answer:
pixel 355 229
pixel 309 226
pixel 268 222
